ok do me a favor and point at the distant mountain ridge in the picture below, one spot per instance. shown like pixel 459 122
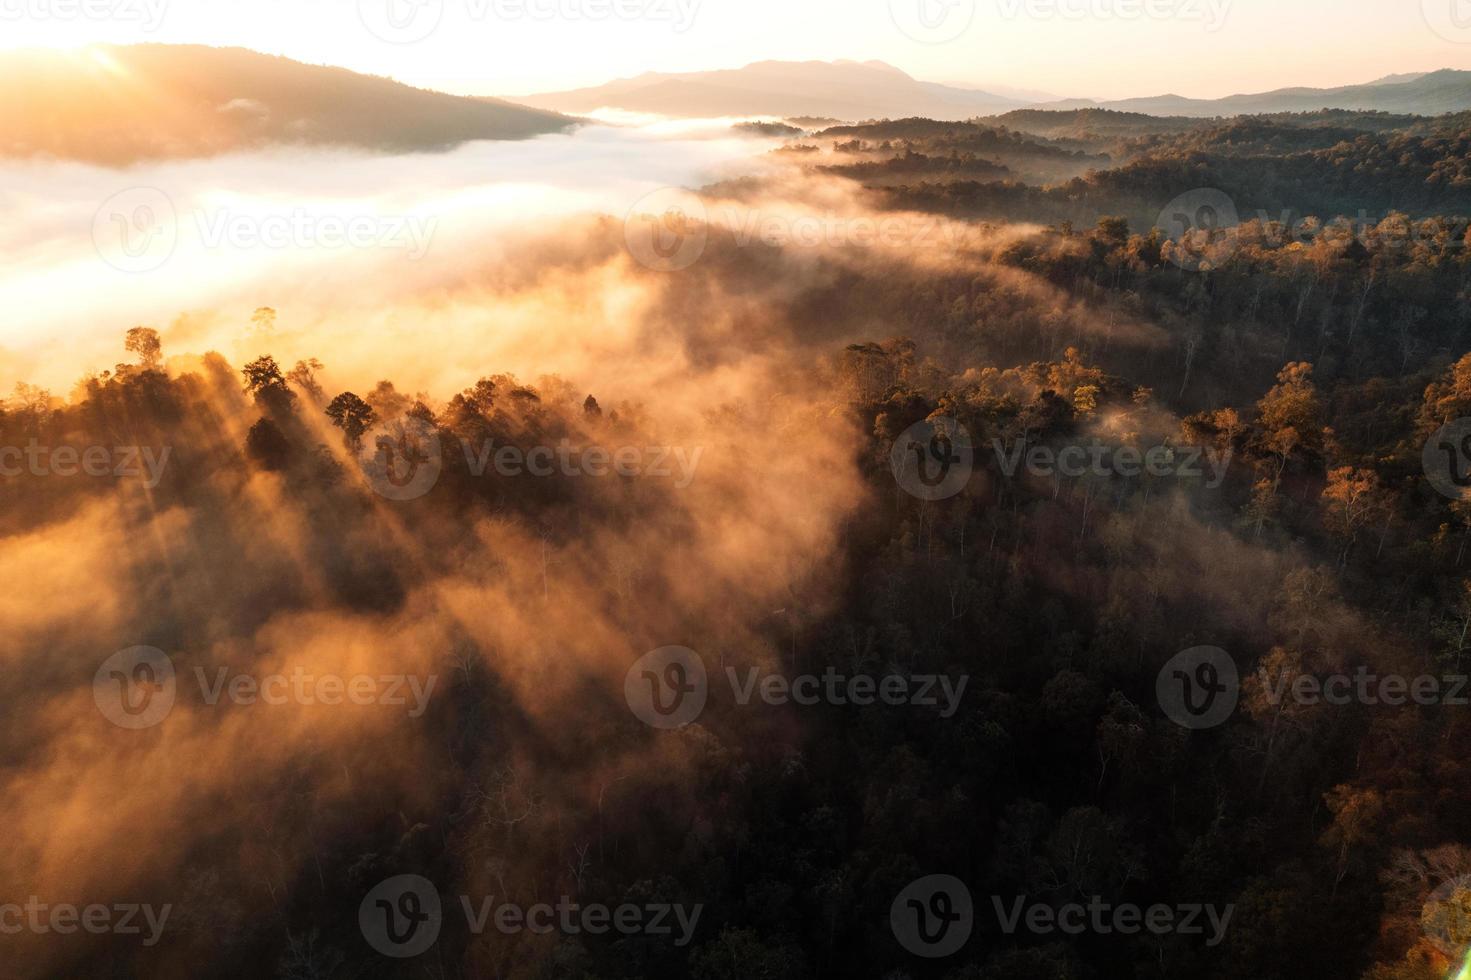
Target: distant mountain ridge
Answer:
pixel 847 90
pixel 853 91
pixel 1425 94
pixel 118 105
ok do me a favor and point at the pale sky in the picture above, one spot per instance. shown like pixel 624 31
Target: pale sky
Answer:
pixel 1086 48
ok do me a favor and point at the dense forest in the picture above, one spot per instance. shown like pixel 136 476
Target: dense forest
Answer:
pixel 1314 359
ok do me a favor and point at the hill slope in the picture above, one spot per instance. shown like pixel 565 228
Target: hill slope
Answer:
pixel 118 105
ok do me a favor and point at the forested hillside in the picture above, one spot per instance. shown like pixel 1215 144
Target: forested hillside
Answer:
pixel 1290 373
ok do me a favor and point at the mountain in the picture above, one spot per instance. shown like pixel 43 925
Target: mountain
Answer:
pixel 853 90
pixel 117 105
pixel 1426 94
pixel 847 90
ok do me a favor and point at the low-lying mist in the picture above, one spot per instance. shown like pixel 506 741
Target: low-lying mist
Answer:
pixel 312 234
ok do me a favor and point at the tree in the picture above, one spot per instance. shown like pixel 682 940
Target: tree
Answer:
pixel 1290 416
pixel 1121 735
pixel 32 403
pixel 1263 508
pixel 304 376
pixel 482 396
pixel 263 379
pixel 1266 697
pixel 1112 230
pixel 741 954
pixel 304 959
pixel 1357 813
pixel 144 342
pixel 263 321
pixel 1352 499
pixel 1085 399
pixel 388 401
pixel 1447 398
pixel 353 416
pixel 267 446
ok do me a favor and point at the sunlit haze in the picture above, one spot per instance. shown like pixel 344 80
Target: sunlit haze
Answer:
pixel 1070 48
pixel 735 489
